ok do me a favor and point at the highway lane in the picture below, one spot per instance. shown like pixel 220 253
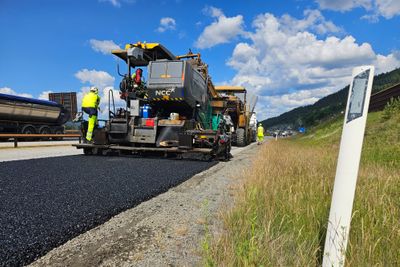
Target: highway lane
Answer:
pixel 45 202
pixel 21 153
pixel 22 143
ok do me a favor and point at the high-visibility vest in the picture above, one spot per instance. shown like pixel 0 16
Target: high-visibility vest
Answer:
pixel 260 131
pixel 91 100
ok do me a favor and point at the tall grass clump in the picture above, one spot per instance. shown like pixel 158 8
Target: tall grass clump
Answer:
pixel 280 214
pixel 391 108
pixel 382 138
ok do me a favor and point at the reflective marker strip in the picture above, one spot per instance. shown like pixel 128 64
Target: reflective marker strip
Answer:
pixel 168 99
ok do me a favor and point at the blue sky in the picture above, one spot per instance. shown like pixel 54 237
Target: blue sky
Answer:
pixel 288 54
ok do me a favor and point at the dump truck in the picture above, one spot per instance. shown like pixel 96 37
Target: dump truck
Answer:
pixel 240 111
pixel 175 111
pixel 31 116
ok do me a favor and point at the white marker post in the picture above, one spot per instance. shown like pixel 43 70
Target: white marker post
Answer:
pixel 347 167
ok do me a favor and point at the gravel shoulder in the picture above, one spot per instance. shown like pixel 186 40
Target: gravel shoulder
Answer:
pixel 164 231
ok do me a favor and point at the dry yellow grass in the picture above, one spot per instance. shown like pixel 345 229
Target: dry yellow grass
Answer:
pixel 281 213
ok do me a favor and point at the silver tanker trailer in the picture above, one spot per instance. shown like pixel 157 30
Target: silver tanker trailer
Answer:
pixel 31 116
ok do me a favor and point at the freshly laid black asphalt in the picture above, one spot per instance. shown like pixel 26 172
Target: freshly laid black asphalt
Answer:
pixel 46 202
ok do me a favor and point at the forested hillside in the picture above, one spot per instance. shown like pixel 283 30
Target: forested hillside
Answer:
pixel 328 106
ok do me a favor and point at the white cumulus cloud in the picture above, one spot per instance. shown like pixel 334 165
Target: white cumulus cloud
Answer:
pixel 388 8
pixel 375 8
pixel 9 91
pixel 313 20
pixel 97 78
pixel 222 30
pixel 289 62
pixel 387 63
pixel 103 46
pixel 45 95
pixel 104 99
pixel 344 5
pixel 166 24
pixel 105 82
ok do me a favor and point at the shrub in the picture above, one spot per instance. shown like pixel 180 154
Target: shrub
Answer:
pixel 392 107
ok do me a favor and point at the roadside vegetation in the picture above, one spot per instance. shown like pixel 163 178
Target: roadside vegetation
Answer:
pixel 281 212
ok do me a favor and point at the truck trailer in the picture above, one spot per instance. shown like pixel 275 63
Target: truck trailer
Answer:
pixel 173 112
pixel 31 116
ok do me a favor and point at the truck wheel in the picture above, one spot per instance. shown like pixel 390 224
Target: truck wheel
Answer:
pixel 241 137
pixel 58 138
pixel 45 130
pixel 29 129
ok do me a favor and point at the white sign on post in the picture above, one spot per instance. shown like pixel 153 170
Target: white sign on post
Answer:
pixel 347 166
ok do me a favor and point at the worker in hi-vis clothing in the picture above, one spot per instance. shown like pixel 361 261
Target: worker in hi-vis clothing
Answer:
pixel 90 105
pixel 260 134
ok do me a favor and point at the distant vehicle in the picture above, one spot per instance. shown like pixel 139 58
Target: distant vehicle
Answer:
pixel 31 116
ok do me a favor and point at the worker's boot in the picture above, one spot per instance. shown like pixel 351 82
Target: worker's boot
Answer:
pixel 86 141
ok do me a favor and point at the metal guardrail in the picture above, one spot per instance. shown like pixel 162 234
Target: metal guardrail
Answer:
pixel 17 137
pixel 72 131
pixel 378 101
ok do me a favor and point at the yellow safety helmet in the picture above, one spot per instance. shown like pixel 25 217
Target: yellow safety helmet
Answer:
pixel 94 89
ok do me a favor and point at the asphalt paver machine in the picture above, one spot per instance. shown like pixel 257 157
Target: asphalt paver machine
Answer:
pixel 175 111
pixel 239 111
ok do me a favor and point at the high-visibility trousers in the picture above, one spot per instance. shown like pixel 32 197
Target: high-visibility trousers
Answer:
pixel 260 138
pixel 92 112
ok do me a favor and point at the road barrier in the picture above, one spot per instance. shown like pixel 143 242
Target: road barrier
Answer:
pixel 17 137
pixel 72 131
pixel 379 100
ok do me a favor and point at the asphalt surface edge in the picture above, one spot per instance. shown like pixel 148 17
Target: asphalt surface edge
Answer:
pixel 164 230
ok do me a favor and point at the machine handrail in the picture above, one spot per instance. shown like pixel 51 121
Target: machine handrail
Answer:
pixel 111 95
